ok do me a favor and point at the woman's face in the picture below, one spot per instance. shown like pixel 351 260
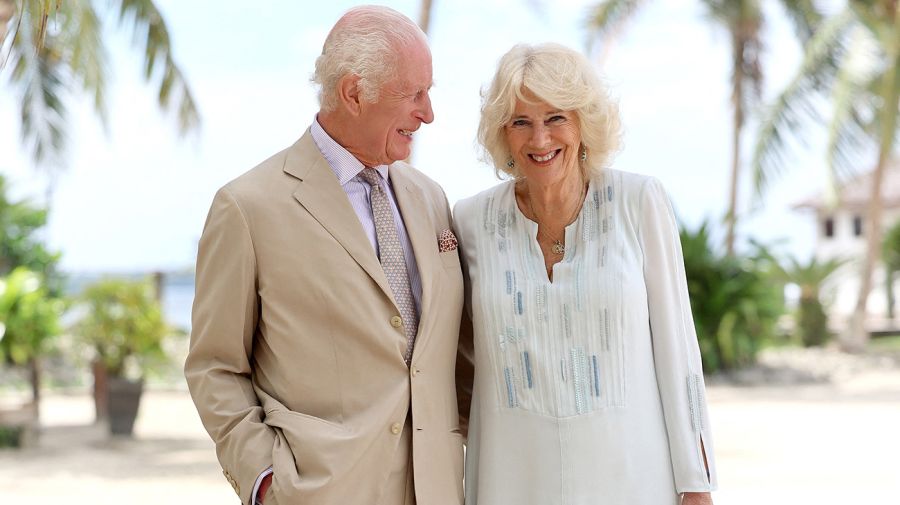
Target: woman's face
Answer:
pixel 543 141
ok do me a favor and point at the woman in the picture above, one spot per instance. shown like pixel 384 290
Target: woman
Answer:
pixel 588 385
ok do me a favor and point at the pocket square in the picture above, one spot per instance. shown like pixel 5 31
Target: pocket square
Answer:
pixel 447 241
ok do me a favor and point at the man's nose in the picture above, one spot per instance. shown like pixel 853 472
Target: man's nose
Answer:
pixel 424 113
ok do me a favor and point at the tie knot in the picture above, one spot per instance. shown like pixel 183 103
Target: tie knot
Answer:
pixel 371 176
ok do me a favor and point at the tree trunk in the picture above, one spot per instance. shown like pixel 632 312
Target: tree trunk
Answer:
pixel 425 15
pixel 856 337
pixel 7 8
pixel 737 101
pixel 34 376
pixel 889 291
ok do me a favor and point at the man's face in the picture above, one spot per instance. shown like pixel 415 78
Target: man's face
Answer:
pixel 387 126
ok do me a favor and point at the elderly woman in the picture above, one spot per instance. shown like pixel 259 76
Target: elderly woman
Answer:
pixel 588 386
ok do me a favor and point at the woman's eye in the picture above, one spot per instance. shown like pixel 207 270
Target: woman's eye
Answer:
pixel 556 119
pixel 519 123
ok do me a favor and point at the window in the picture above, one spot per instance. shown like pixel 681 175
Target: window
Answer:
pixel 829 227
pixel 857 226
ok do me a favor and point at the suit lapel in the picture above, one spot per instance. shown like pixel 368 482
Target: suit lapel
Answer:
pixel 322 196
pixel 414 209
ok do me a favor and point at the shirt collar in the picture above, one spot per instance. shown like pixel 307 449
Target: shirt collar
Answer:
pixel 345 166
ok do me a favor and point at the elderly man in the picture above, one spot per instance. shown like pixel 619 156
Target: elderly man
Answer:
pixel 329 293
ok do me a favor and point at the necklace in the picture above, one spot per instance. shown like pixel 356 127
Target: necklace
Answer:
pixel 558 247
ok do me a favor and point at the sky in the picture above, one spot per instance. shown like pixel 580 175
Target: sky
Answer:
pixel 134 196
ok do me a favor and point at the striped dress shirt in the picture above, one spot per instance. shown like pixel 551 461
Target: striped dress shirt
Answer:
pixel 346 168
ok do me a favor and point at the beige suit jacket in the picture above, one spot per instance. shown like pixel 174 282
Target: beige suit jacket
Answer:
pixel 294 362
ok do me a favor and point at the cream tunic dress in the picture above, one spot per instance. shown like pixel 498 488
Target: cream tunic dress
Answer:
pixel 588 390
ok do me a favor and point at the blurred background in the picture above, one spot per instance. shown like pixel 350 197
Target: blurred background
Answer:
pixel 772 124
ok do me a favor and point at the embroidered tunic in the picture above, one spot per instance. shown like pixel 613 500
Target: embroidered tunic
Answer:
pixel 589 389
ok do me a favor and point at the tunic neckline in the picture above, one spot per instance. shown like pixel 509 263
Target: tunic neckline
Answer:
pixel 570 232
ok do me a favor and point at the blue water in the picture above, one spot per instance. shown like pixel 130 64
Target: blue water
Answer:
pixel 177 299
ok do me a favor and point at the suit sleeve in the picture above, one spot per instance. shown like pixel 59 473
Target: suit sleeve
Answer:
pixel 219 367
pixel 676 352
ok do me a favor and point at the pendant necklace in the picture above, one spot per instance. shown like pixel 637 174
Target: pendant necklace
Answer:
pixel 558 247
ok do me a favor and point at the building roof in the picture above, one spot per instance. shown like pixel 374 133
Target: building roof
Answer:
pixel 856 192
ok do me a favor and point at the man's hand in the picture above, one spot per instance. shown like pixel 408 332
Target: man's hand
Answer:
pixel 264 486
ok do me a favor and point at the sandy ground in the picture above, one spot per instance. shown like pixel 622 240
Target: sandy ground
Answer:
pixel 825 443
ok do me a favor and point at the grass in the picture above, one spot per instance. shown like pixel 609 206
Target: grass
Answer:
pixel 890 343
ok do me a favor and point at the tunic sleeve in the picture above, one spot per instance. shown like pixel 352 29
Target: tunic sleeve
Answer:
pixel 676 353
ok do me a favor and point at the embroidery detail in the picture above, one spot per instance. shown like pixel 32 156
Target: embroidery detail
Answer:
pixel 695 398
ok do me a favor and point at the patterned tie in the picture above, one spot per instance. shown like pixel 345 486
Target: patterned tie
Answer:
pixel 391 254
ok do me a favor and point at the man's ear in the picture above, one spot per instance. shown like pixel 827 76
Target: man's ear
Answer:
pixel 348 93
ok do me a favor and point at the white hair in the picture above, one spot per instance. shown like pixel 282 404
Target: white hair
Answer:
pixel 365 42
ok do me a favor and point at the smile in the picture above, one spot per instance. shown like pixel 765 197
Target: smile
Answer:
pixel 406 133
pixel 546 157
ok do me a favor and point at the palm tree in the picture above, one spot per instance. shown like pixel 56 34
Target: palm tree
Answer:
pixel 55 50
pixel 744 21
pixel 811 321
pixel 854 56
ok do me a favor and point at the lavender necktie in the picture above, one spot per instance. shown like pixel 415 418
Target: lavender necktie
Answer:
pixel 391 255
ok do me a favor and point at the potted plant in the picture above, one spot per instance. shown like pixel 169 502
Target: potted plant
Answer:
pixel 123 326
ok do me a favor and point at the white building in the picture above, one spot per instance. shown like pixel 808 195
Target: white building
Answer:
pixel 841 225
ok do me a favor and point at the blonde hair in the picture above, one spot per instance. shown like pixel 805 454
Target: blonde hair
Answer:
pixel 364 42
pixel 564 79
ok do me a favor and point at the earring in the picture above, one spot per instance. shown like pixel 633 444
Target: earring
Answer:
pixel 511 163
pixel 584 154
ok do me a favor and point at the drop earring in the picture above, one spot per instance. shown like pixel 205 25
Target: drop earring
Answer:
pixel 584 154
pixel 511 163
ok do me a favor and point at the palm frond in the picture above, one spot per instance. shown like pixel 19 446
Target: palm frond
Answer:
pixel 785 118
pixel 609 17
pixel 850 128
pixel 81 34
pixel 39 75
pixel 174 93
pixel 805 16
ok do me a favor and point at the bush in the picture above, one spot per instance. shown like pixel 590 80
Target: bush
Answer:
pixel 123 325
pixel 736 301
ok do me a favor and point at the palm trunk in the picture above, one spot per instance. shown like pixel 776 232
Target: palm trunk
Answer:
pixel 857 337
pixel 425 16
pixel 737 101
pixel 7 8
pixel 424 24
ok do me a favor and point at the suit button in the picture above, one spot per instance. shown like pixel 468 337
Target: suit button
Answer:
pixel 414 371
pixel 396 428
pixel 396 321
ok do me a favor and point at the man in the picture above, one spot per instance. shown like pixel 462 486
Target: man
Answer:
pixel 329 293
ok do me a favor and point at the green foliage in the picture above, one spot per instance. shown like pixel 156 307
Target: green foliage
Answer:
pixel 890 254
pixel 10 437
pixel 811 322
pixel 734 300
pixel 20 245
pixel 123 324
pixel 28 315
